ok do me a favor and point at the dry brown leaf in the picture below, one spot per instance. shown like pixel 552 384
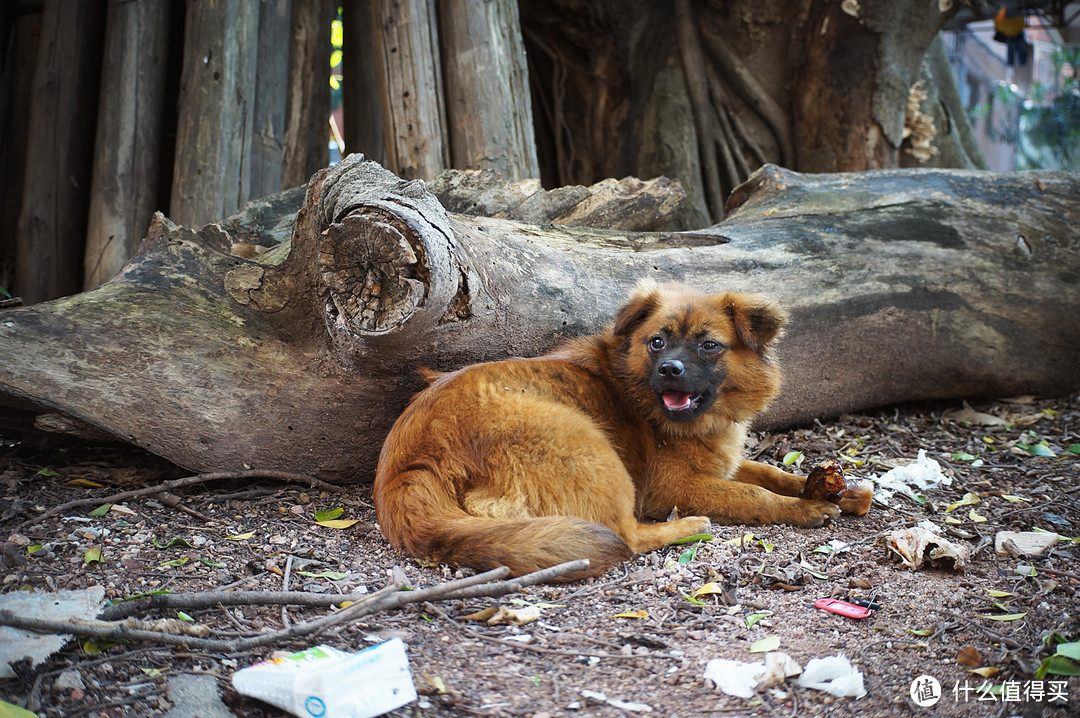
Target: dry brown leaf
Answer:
pixel 969 656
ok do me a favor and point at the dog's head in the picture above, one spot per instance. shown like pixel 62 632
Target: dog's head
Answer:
pixel 688 358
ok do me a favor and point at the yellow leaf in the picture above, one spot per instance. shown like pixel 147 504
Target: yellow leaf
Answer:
pixel 985 671
pixel 710 589
pixel 1007 616
pixel 84 483
pixel 998 594
pixel 745 538
pixel 977 518
pixel 240 537
pixel 337 523
pixel 952 520
pixel 968 499
pixel 437 684
pixel 92 555
pixel 632 614
pixel 481 615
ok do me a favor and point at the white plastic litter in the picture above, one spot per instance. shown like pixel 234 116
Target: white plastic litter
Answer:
pixel 323 682
pixel 834 675
pixel 924 473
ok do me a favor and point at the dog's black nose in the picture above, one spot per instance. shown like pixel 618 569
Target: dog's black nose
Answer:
pixel 671 368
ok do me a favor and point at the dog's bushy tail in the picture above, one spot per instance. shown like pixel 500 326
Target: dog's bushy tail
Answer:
pixel 429 524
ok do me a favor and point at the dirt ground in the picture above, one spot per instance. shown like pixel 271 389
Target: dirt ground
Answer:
pixel 650 660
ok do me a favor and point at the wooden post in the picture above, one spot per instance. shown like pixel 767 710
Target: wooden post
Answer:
pixel 59 151
pixel 360 83
pixel 487 88
pixel 307 117
pixel 123 193
pixel 410 78
pixel 271 95
pixel 212 170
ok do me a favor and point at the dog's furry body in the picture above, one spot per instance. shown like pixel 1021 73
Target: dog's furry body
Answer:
pixel 531 462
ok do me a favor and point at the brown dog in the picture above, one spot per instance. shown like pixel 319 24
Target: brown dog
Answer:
pixel 531 462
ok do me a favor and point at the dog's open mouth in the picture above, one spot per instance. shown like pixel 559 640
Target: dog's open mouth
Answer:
pixel 680 404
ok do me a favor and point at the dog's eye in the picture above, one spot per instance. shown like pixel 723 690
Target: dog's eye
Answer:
pixel 710 347
pixel 656 343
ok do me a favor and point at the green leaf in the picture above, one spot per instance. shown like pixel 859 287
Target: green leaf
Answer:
pixel 5 293
pixel 100 511
pixel 1007 617
pixel 332 575
pixel 8 710
pixel 920 631
pixel 32 549
pixel 962 456
pixel 1058 665
pixel 1042 450
pixel 211 562
pixel 328 515
pixel 1069 650
pixel 175 563
pixel 184 617
pixel 764 645
pixel 704 538
pixel 757 616
pixel 1074 449
pixel 48 473
pixel 173 542
pixel 691 599
pixel 791 457
pixel 688 555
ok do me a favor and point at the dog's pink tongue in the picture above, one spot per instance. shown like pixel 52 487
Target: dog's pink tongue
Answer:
pixel 675 400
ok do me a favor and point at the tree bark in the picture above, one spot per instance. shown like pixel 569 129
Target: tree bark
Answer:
pixel 307 131
pixel 212 169
pixel 59 151
pixel 360 83
pixel 124 191
pixel 902 285
pixel 17 88
pixel 410 79
pixel 271 96
pixel 487 88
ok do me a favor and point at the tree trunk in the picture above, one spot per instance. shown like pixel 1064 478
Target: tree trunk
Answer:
pixel 124 192
pixel 17 87
pixel 59 151
pixel 307 131
pixel 410 79
pixel 212 169
pixel 360 96
pixel 271 95
pixel 487 88
pixel 902 285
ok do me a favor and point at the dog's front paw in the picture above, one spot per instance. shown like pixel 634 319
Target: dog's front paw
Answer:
pixel 811 513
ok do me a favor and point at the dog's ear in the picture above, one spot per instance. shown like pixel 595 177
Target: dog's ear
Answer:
pixel 758 321
pixel 643 300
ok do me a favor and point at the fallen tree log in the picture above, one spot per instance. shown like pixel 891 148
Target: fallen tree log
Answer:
pixel 902 285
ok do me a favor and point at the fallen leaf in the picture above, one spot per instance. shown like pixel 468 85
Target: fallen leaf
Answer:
pixel 1007 617
pixel 173 542
pixel 710 589
pixel 437 684
pixel 968 499
pixel 338 523
pixel 986 671
pixel 764 645
pixel 1014 499
pixel 151 672
pixel 100 511
pixel 998 594
pixel 977 518
pixel 632 614
pixel 920 631
pixel 482 615
pixel 705 538
pixel 84 484
pixel 332 575
pixel 792 457
pixel 753 618
pixel 240 537
pixel 969 656
pixel 92 556
pixel 328 515
pixel 514 616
